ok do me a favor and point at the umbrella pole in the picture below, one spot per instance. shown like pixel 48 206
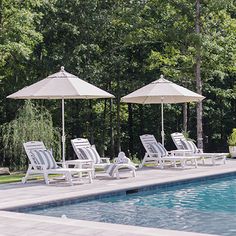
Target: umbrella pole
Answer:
pixel 162 122
pixel 63 139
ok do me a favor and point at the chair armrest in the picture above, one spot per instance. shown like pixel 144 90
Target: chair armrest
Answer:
pixel 79 161
pixel 76 163
pixel 105 160
pixel 154 153
pixel 181 152
pixel 40 167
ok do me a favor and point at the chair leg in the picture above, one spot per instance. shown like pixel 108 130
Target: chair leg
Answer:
pixel 182 162
pixel 224 160
pixel 161 164
pixel 69 178
pixel 90 177
pixel 134 173
pixel 143 161
pixel 93 171
pixel 203 160
pixel 46 178
pixel 175 164
pixel 213 161
pixel 117 174
pixel 24 179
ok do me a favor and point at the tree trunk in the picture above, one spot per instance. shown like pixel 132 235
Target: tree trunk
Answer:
pixel 141 119
pixel 130 129
pixel 112 149
pixel 198 77
pixel 104 128
pixel 118 116
pixel 91 130
pixel 185 117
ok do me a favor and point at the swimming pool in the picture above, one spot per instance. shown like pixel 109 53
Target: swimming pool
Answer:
pixel 206 206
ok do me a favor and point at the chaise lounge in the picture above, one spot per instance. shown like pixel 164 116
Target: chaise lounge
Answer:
pixel 189 146
pixel 43 163
pixel 85 151
pixel 158 155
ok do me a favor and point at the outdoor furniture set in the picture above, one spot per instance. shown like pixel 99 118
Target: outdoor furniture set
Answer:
pixel 42 162
pixel 186 152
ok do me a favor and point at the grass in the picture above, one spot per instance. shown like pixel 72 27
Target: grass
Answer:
pixel 16 177
pixel 11 178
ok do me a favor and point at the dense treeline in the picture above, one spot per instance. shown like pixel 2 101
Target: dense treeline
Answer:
pixel 120 46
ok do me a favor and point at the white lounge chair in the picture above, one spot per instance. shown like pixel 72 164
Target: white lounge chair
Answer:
pixel 85 151
pixel 43 163
pixel 120 163
pixel 183 144
pixel 158 155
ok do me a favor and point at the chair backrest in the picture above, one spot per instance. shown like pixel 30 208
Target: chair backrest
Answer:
pixel 33 145
pixel 177 137
pixel 30 146
pixel 190 145
pixel 80 143
pixel 39 156
pixel 152 146
pixel 84 150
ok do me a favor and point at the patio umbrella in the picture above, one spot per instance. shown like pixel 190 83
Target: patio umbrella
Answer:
pixel 61 85
pixel 162 91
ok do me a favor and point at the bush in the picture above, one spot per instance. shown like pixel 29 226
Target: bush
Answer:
pixel 232 138
pixel 32 123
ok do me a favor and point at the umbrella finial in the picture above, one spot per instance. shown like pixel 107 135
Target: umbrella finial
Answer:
pixel 162 77
pixel 62 68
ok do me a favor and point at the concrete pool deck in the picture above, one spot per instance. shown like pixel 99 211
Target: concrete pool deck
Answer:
pixel 17 194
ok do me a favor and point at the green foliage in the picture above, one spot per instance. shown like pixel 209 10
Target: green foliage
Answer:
pixel 18 35
pixel 187 135
pixel 232 138
pixel 32 123
pixel 120 46
pixel 135 159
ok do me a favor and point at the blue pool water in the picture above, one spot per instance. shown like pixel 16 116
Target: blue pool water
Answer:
pixel 207 206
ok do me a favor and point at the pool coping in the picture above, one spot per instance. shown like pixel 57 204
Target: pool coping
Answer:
pixel 120 192
pixel 116 228
pixel 96 195
pixel 54 224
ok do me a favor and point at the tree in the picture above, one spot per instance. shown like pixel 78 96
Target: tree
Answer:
pixel 32 123
pixel 198 76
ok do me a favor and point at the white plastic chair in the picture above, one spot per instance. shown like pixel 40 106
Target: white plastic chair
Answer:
pixel 120 163
pixel 39 167
pixel 183 144
pixel 81 144
pixel 158 155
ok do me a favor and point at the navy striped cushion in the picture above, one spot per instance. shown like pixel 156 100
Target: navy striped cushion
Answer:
pixel 90 153
pixel 158 148
pixel 44 157
pixel 189 145
pixel 177 137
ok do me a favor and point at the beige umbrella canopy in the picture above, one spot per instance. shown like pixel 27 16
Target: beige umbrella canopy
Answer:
pixel 61 85
pixel 162 91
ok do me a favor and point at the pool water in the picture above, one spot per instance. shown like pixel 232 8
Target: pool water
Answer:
pixel 206 206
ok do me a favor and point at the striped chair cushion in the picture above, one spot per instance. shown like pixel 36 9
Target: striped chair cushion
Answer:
pixel 43 157
pixel 189 145
pixel 177 137
pixel 158 148
pixel 90 153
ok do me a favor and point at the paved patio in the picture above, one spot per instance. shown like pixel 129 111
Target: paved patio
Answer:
pixel 15 195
